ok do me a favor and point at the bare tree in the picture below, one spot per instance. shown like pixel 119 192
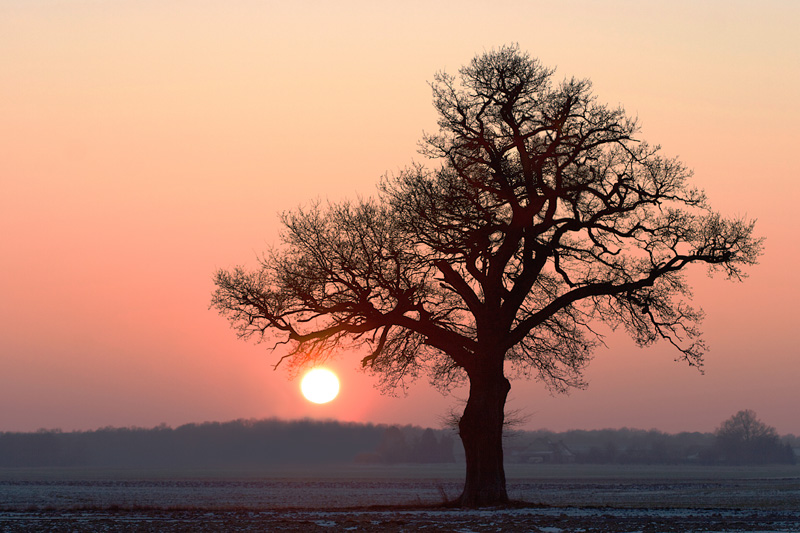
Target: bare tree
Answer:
pixel 743 438
pixel 745 426
pixel 543 216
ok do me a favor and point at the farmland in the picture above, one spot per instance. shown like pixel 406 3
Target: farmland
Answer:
pixel 401 498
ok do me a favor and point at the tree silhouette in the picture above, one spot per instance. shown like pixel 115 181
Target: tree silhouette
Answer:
pixel 542 216
pixel 743 438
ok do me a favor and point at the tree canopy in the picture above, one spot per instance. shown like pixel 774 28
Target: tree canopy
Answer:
pixel 745 426
pixel 541 216
pixel 743 438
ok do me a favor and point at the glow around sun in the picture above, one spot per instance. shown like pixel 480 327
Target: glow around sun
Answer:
pixel 320 385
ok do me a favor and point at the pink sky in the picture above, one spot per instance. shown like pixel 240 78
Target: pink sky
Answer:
pixel 145 144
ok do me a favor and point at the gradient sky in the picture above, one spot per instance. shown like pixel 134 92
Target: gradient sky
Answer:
pixel 145 144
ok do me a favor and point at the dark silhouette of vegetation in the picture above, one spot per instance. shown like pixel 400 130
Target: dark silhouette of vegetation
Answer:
pixel 262 443
pixel 397 447
pixel 543 215
pixel 242 443
pixel 744 439
pixel 610 446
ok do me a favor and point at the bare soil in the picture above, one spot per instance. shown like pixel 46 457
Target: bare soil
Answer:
pixel 553 499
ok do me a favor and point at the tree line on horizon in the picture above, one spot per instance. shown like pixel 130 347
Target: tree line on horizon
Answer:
pixel 234 444
pixel 742 439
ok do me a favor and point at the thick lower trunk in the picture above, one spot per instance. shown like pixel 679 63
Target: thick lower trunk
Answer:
pixel 481 431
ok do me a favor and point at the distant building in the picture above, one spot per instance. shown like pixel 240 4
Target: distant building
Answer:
pixel 542 450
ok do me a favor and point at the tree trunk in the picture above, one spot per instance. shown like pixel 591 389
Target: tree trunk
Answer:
pixel 481 431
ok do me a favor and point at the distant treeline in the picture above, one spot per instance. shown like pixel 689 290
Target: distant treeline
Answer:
pixel 240 443
pixel 635 446
pixel 253 443
pixel 411 444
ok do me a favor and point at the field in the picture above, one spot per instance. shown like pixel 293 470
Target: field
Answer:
pixel 552 498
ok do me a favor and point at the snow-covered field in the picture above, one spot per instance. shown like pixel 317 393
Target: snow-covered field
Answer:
pixel 349 498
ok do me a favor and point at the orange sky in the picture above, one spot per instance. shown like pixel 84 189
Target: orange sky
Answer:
pixel 145 144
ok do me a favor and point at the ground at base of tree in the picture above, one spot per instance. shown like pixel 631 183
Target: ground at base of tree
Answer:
pixel 521 518
pixel 774 488
pixel 567 498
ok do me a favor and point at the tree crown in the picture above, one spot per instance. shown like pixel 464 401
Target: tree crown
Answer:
pixel 745 427
pixel 542 215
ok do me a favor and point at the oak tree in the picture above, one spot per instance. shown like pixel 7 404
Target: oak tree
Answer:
pixel 540 216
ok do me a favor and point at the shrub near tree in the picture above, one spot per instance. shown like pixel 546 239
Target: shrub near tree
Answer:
pixel 542 215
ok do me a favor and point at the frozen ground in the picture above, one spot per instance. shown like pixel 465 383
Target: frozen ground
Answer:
pixel 558 499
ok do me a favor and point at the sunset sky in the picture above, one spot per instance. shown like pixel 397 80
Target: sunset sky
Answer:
pixel 145 144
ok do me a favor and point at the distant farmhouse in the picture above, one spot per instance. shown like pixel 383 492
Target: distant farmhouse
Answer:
pixel 541 450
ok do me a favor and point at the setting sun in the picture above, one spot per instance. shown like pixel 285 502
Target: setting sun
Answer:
pixel 320 385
